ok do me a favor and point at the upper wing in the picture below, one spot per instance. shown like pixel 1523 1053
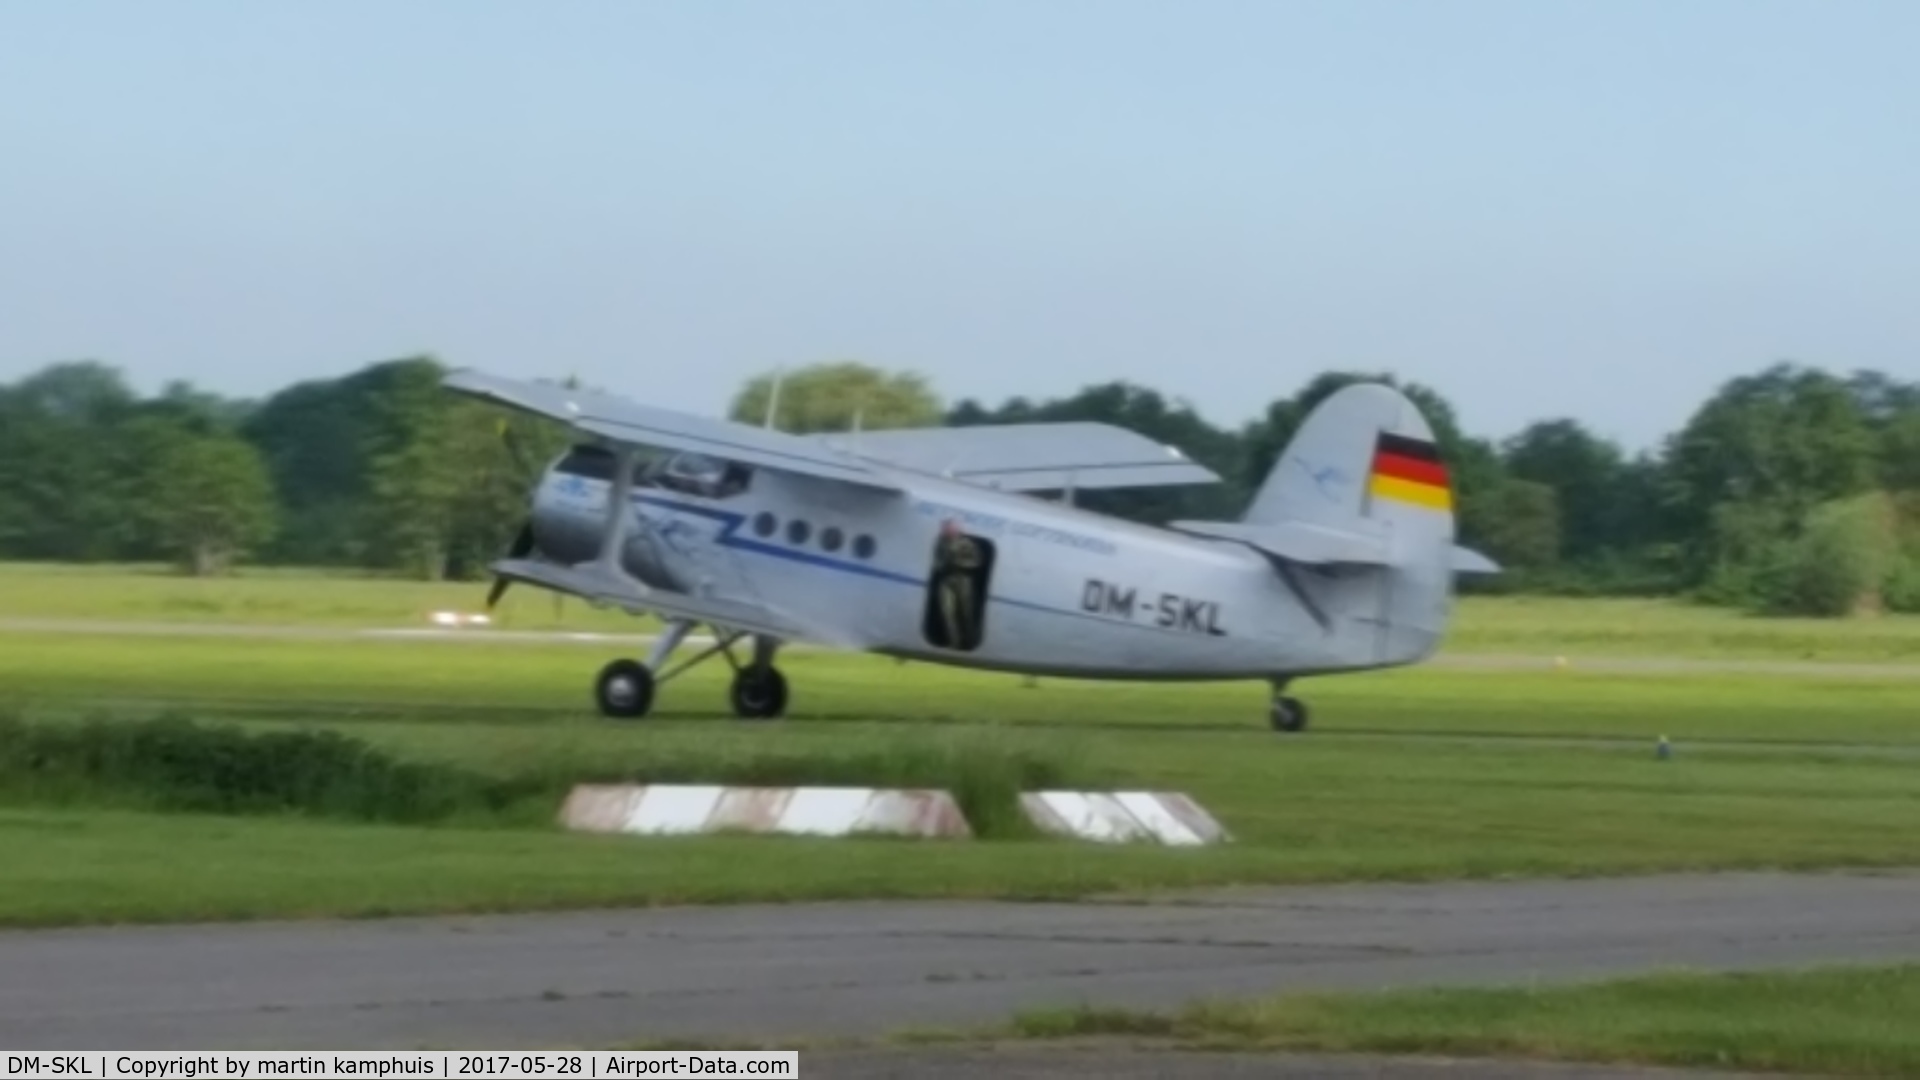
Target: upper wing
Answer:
pixel 1028 457
pixel 630 422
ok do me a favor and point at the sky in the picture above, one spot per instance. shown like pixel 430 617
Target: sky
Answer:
pixel 1591 208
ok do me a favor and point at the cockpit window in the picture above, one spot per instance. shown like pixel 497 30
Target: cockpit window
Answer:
pixel 702 476
pixel 696 468
pixel 591 462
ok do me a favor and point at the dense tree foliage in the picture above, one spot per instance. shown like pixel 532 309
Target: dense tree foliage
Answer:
pixel 837 397
pixel 1790 489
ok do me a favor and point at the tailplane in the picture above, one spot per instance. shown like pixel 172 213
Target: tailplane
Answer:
pixel 1363 499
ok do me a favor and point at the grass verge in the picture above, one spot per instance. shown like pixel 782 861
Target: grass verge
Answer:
pixel 174 764
pixel 1832 1021
pixel 299 597
pixel 1301 810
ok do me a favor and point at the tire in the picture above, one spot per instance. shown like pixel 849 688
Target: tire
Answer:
pixel 1288 715
pixel 624 690
pixel 759 695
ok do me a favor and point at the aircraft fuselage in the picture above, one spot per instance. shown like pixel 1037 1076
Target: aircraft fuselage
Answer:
pixel 1066 592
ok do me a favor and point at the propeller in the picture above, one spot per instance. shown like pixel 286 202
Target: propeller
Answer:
pixel 515 450
pixel 523 540
pixel 522 545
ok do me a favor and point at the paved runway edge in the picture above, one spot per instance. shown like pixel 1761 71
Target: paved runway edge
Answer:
pixel 866 969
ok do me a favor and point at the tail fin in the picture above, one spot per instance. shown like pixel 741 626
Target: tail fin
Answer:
pixel 1366 453
pixel 1363 493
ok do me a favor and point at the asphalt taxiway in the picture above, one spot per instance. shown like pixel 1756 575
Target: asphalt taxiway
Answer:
pixel 772 972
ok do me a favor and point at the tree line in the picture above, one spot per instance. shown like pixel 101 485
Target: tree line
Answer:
pixel 1789 490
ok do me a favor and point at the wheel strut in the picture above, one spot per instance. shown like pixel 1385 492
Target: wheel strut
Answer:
pixel 625 688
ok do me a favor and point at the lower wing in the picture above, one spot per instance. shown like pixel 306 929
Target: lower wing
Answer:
pixel 594 584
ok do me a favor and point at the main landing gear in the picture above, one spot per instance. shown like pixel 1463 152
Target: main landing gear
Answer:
pixel 1287 714
pixel 625 688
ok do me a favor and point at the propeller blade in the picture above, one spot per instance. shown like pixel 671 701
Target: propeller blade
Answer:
pixel 522 542
pixel 514 448
pixel 521 547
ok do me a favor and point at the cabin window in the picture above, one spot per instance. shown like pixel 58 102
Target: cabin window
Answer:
pixel 798 531
pixel 591 462
pixel 764 523
pixel 831 538
pixel 863 546
pixel 962 569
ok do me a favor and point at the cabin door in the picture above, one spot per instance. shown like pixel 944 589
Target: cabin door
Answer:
pixel 960 573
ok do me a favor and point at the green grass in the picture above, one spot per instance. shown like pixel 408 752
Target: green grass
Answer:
pixel 514 684
pixel 1834 1022
pixel 1673 628
pixel 277 597
pixel 174 763
pixel 1397 801
pixel 1522 625
pixel 1424 774
pixel 1427 774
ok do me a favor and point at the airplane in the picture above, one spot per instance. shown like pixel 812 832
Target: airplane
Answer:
pixel 938 544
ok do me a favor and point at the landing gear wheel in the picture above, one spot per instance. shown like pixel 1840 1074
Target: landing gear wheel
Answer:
pixel 624 690
pixel 1287 714
pixel 759 693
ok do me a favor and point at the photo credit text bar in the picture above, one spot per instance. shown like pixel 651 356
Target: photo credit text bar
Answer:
pixel 392 1065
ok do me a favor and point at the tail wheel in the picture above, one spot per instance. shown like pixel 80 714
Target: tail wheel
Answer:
pixel 1288 714
pixel 624 690
pixel 759 693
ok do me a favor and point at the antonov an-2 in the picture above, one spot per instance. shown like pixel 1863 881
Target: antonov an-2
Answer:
pixel 930 544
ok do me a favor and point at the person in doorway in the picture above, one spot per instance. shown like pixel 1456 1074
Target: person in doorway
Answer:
pixel 956 558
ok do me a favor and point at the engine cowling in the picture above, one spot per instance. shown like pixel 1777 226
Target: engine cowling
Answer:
pixel 569 515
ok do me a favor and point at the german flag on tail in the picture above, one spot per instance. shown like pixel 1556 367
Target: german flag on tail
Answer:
pixel 1410 471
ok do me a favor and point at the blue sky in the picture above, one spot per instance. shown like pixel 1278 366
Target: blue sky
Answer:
pixel 1539 207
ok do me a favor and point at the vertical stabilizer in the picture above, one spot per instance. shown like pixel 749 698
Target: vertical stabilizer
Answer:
pixel 1365 463
pixel 1366 444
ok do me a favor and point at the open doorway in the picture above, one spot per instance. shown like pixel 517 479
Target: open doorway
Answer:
pixel 956 610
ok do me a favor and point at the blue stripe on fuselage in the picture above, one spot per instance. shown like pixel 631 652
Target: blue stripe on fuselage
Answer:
pixel 729 537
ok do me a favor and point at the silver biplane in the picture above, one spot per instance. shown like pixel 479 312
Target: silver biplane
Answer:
pixel 934 544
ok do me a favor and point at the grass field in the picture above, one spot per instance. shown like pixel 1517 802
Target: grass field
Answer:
pixel 1394 781
pixel 1428 773
pixel 1433 773
pixel 1830 1022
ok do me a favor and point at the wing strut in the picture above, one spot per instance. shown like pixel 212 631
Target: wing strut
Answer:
pixel 613 538
pixel 619 508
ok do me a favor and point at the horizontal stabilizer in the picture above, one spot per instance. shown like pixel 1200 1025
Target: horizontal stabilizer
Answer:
pixel 1469 561
pixel 1041 456
pixel 1296 541
pixel 1320 545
